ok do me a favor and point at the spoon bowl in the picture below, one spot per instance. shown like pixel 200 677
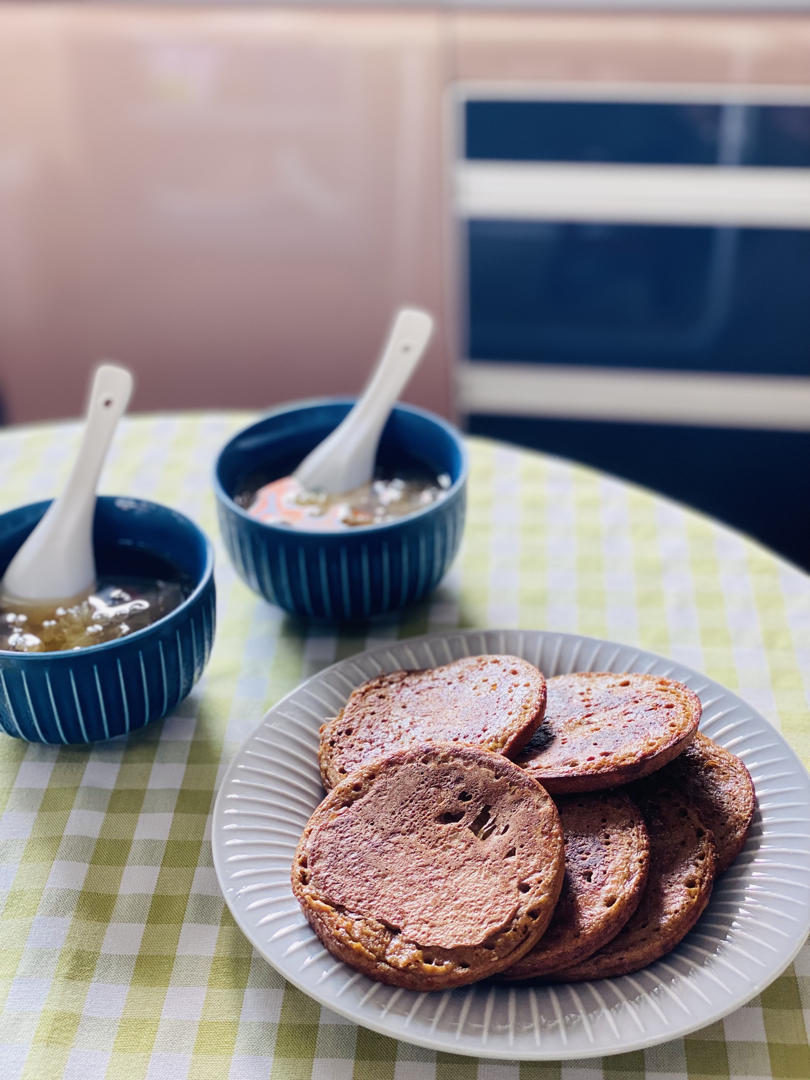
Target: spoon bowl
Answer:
pixel 345 459
pixel 57 560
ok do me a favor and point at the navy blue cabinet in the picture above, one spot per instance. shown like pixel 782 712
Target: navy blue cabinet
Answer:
pixel 615 239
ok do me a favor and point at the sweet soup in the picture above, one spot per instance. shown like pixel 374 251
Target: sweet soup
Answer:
pixel 126 598
pixel 391 495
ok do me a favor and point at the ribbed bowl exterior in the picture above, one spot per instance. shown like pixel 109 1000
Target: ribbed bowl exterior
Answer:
pixel 345 578
pixel 85 695
pixel 349 574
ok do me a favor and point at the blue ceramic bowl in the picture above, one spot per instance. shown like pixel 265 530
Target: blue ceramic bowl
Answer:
pixel 352 573
pixel 113 688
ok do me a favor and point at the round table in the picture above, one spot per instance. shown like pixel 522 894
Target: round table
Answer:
pixel 119 957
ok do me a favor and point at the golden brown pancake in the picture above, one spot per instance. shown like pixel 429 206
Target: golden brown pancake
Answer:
pixel 433 867
pixel 606 860
pixel 720 787
pixel 679 884
pixel 601 730
pixel 495 702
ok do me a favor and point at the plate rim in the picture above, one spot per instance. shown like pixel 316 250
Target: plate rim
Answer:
pixel 459 1046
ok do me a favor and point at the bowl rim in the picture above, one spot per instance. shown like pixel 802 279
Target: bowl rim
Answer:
pixel 205 578
pixel 365 530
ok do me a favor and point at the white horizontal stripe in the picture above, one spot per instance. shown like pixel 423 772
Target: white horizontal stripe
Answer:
pixel 663 397
pixel 683 195
pixel 663 92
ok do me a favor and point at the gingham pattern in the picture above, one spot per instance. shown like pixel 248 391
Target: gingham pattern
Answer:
pixel 117 955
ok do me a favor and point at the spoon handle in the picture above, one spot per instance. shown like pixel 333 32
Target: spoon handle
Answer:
pixel 409 336
pixel 109 397
pixel 345 459
pixel 57 561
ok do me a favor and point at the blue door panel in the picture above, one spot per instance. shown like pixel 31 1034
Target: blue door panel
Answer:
pixel 672 297
pixel 641 133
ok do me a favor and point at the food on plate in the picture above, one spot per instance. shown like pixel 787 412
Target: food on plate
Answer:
pixel 435 860
pixel 721 790
pixel 679 884
pixel 433 867
pixel 606 860
pixel 601 730
pixel 495 702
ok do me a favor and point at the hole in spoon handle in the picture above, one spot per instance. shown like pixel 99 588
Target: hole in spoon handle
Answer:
pixel 111 388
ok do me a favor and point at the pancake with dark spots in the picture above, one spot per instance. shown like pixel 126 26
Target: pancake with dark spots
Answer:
pixel 495 702
pixel 431 868
pixel 602 730
pixel 721 789
pixel 679 884
pixel 606 860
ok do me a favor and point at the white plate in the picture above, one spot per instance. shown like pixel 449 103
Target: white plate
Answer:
pixel 758 918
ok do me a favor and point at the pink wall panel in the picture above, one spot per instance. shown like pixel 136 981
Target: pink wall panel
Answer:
pixel 230 203
pixel 621 46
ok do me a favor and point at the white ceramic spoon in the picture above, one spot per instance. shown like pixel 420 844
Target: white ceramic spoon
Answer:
pixel 345 458
pixel 57 562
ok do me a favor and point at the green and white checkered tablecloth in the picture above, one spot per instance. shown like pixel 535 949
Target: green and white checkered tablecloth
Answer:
pixel 118 957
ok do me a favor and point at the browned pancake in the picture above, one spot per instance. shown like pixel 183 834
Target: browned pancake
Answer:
pixel 431 868
pixel 606 860
pixel 495 702
pixel 720 787
pixel 679 884
pixel 602 730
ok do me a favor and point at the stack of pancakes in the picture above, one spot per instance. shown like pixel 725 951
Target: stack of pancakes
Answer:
pixel 481 821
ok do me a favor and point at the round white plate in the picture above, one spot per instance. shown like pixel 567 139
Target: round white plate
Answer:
pixel 758 918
